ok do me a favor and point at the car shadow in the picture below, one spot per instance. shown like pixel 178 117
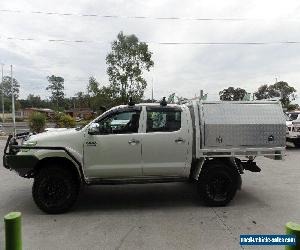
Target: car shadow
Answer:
pixel 292 148
pixel 154 196
pixel 137 196
pixel 115 197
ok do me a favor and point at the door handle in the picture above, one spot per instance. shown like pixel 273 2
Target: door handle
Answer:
pixel 180 140
pixel 133 142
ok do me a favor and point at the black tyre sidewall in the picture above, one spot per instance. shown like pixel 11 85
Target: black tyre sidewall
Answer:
pixel 211 172
pixel 63 175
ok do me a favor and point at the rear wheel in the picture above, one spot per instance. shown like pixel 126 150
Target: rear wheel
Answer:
pixel 218 183
pixel 55 189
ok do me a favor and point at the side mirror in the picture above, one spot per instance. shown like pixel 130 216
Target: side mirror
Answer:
pixel 94 129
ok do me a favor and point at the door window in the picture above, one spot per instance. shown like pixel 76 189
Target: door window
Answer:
pixel 120 123
pixel 163 120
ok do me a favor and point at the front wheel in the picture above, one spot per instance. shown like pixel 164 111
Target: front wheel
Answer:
pixel 218 183
pixel 55 189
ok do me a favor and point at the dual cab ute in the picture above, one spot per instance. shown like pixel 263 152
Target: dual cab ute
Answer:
pixel 207 143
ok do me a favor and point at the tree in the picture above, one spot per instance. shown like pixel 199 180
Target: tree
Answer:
pixel 7 87
pixel 232 94
pixel 126 62
pixel 284 91
pixel 35 101
pixel 7 92
pixel 280 89
pixel 103 100
pixel 82 100
pixel 56 86
pixel 93 87
pixel 262 92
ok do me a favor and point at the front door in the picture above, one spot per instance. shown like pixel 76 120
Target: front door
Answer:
pixel 115 150
pixel 164 143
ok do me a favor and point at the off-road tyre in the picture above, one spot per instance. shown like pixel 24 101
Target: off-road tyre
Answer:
pixel 218 183
pixel 55 189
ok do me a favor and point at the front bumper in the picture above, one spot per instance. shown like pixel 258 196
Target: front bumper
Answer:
pixel 22 164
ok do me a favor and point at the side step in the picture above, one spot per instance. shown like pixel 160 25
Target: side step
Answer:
pixel 135 180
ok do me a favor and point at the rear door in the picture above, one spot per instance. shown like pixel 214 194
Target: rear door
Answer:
pixel 164 148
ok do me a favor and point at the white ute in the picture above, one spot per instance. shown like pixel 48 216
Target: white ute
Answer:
pixel 293 128
pixel 206 143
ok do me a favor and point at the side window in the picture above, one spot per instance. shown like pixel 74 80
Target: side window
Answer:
pixel 163 120
pixel 120 123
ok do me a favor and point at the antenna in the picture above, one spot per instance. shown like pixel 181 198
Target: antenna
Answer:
pixel 131 102
pixel 163 102
pixel 13 101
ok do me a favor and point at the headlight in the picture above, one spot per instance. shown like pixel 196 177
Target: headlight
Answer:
pixel 29 143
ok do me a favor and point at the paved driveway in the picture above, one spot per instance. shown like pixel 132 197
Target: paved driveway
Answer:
pixel 159 216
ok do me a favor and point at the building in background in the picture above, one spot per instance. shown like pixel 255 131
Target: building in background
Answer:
pixel 81 113
pixel 25 113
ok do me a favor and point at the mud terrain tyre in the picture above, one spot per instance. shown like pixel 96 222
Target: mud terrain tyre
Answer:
pixel 55 189
pixel 218 183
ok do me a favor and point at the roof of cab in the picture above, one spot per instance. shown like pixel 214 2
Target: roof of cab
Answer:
pixel 144 104
pixel 147 105
pixel 155 104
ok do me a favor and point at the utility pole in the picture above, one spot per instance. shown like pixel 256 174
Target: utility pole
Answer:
pixel 2 94
pixel 152 91
pixel 13 101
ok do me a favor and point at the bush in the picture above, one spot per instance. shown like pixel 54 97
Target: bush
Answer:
pixel 37 122
pixel 64 121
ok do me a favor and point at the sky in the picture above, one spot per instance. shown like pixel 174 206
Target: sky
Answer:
pixel 182 68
